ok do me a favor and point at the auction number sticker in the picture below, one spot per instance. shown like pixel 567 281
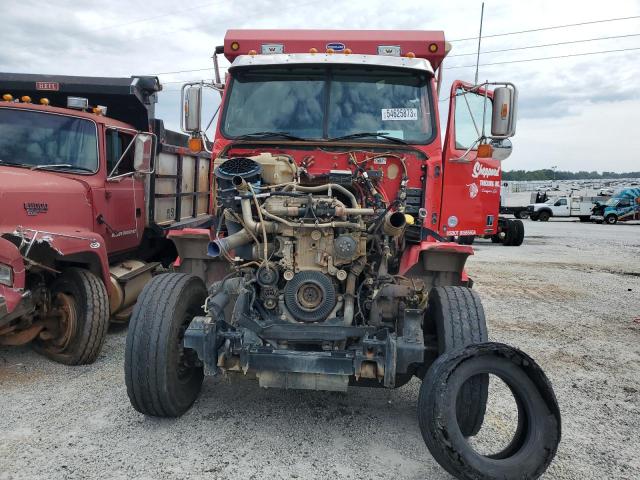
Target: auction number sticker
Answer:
pixel 399 114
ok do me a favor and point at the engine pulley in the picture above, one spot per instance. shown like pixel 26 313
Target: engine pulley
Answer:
pixel 310 296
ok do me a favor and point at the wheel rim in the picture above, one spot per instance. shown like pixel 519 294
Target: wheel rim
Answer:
pixel 63 314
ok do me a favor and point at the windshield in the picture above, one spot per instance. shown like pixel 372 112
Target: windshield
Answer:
pixel 325 102
pixel 43 139
pixel 612 202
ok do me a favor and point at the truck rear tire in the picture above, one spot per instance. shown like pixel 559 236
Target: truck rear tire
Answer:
pixel 163 378
pixel 521 214
pixel 466 239
pixel 81 307
pixel 544 216
pixel 458 317
pixel 516 233
pixel 537 436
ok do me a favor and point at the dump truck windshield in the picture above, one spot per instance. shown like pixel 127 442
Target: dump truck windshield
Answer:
pixel 47 140
pixel 327 102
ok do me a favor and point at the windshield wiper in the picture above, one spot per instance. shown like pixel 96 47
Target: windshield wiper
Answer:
pixel 13 164
pixel 384 135
pixel 61 165
pixel 270 134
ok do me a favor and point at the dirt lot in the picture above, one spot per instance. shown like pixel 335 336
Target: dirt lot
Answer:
pixel 568 297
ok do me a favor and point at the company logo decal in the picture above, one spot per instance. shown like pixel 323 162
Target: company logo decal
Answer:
pixel 50 86
pixel 452 221
pixel 336 46
pixel 473 190
pixel 481 171
pixel 34 208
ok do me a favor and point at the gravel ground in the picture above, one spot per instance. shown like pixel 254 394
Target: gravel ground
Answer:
pixel 568 297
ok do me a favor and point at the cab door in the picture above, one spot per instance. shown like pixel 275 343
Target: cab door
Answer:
pixel 124 216
pixel 471 185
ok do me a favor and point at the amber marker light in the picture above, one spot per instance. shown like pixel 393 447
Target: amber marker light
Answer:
pixel 313 50
pixel 485 150
pixel 433 48
pixel 347 51
pixel 195 144
pixel 410 55
pixel 235 46
pixel 330 51
pixel 252 52
pixel 44 101
pixel 25 99
pixel 7 97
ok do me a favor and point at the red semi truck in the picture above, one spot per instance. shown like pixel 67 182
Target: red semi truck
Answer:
pixel 90 182
pixel 328 266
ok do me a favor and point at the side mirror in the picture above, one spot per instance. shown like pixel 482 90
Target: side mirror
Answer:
pixel 143 153
pixel 192 108
pixel 502 149
pixel 503 119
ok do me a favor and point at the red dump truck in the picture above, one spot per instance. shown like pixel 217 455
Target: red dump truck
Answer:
pixel 335 190
pixel 90 182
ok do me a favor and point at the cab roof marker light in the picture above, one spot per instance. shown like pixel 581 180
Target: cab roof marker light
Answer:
pixel 7 97
pixel 79 103
pixel 44 101
pixel 25 99
pixel 389 50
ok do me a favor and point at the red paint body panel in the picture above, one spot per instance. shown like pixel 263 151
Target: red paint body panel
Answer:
pixel 363 42
pixel 74 201
pixel 9 255
pixel 471 192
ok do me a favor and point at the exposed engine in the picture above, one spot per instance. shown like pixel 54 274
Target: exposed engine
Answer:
pixel 314 262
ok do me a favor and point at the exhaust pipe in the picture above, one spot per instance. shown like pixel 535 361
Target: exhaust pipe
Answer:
pixel 226 244
pixel 394 224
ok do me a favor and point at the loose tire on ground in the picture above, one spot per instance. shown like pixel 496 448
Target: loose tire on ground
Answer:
pixel 161 377
pixel 81 305
pixel 539 424
pixel 544 216
pixel 458 317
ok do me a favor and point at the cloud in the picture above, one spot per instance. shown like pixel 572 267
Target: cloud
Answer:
pixel 560 100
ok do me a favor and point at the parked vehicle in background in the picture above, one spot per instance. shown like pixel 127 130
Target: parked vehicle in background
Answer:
pixel 563 206
pixel 90 182
pixel 623 206
pixel 330 267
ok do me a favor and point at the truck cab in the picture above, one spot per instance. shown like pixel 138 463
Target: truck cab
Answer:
pixel 623 206
pixel 90 182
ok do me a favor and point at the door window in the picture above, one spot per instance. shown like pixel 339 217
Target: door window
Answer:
pixel 117 143
pixel 561 202
pixel 469 113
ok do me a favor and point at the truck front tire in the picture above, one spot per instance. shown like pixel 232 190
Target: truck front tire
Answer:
pixel 611 219
pixel 163 378
pixel 80 313
pixel 458 317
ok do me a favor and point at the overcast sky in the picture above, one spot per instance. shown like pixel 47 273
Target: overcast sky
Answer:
pixel 579 113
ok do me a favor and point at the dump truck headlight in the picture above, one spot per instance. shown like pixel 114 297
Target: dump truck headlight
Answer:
pixel 6 275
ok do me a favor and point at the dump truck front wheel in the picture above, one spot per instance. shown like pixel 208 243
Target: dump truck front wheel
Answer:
pixel 163 378
pixel 78 319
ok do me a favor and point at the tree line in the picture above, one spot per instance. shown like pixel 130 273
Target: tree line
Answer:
pixel 548 174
